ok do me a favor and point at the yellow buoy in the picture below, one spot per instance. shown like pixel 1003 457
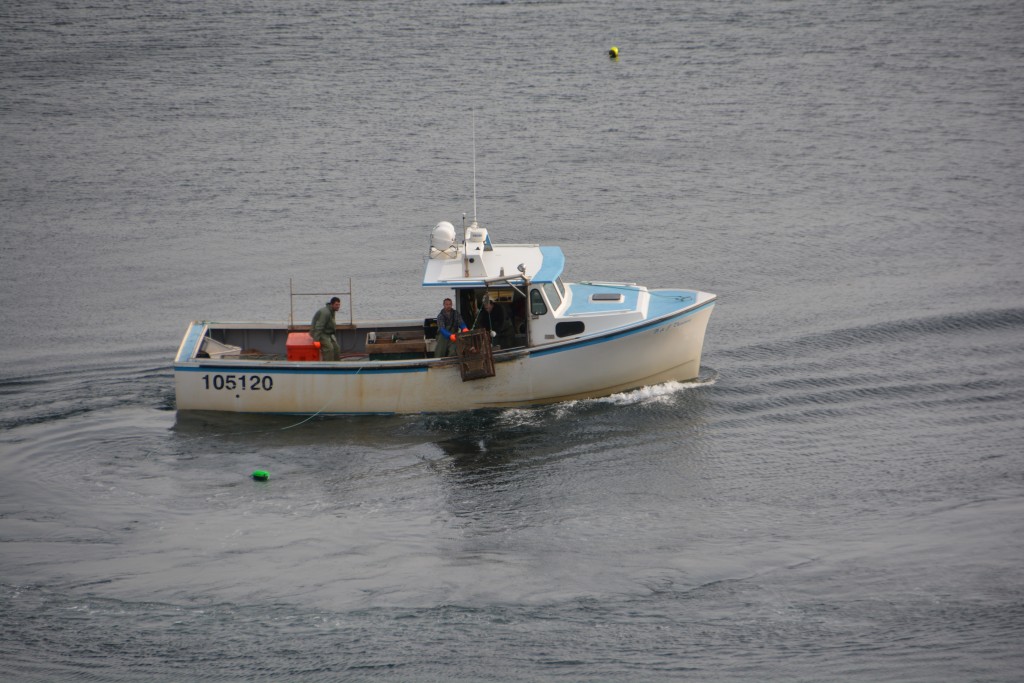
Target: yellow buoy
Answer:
pixel 614 52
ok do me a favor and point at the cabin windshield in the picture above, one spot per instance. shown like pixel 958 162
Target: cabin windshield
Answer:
pixel 553 296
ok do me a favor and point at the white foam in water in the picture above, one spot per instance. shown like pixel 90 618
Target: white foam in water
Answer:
pixel 517 417
pixel 659 393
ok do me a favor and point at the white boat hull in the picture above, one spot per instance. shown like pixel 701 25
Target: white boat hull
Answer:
pixel 649 353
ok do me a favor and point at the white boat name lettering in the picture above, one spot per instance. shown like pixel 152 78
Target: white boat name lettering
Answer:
pixel 238 382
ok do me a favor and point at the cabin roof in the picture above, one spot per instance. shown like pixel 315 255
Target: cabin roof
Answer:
pixel 473 264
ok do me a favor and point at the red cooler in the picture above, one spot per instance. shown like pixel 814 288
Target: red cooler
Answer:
pixel 301 347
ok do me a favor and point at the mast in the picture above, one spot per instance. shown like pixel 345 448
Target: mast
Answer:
pixel 474 165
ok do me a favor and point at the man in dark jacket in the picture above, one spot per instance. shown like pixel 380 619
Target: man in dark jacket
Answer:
pixel 492 319
pixel 449 323
pixel 324 329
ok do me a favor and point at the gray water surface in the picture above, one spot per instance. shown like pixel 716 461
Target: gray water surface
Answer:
pixel 839 498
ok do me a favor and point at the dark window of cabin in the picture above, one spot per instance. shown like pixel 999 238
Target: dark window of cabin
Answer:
pixel 569 328
pixel 537 306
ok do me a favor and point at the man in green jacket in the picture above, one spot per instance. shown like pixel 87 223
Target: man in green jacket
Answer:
pixel 323 330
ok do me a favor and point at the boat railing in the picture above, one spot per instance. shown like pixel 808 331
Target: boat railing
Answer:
pixel 291 301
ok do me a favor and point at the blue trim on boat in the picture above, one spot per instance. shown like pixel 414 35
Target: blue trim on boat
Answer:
pixel 611 336
pixel 193 338
pixel 362 370
pixel 272 369
pixel 552 265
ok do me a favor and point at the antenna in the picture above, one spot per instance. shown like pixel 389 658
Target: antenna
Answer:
pixel 474 165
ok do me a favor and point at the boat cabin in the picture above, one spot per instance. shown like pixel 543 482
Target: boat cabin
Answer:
pixel 523 279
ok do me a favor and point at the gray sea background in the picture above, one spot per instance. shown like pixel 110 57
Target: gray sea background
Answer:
pixel 841 498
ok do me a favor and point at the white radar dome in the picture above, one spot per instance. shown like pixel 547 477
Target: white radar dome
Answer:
pixel 442 236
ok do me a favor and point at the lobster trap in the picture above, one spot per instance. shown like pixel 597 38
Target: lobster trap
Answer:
pixel 473 349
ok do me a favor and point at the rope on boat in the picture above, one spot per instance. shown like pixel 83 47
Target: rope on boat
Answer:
pixel 316 414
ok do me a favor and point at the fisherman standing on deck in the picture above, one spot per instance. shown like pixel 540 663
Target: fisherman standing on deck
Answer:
pixel 449 322
pixel 492 319
pixel 324 329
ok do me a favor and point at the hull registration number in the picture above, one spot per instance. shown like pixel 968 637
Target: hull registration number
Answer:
pixel 238 382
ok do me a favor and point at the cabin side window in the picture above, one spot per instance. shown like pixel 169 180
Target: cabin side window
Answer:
pixel 569 328
pixel 537 306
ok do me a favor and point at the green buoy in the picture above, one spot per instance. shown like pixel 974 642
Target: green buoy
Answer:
pixel 260 475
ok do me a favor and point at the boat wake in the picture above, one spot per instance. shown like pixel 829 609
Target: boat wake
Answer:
pixel 659 393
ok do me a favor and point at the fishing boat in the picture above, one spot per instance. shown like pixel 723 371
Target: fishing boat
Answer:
pixel 562 341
